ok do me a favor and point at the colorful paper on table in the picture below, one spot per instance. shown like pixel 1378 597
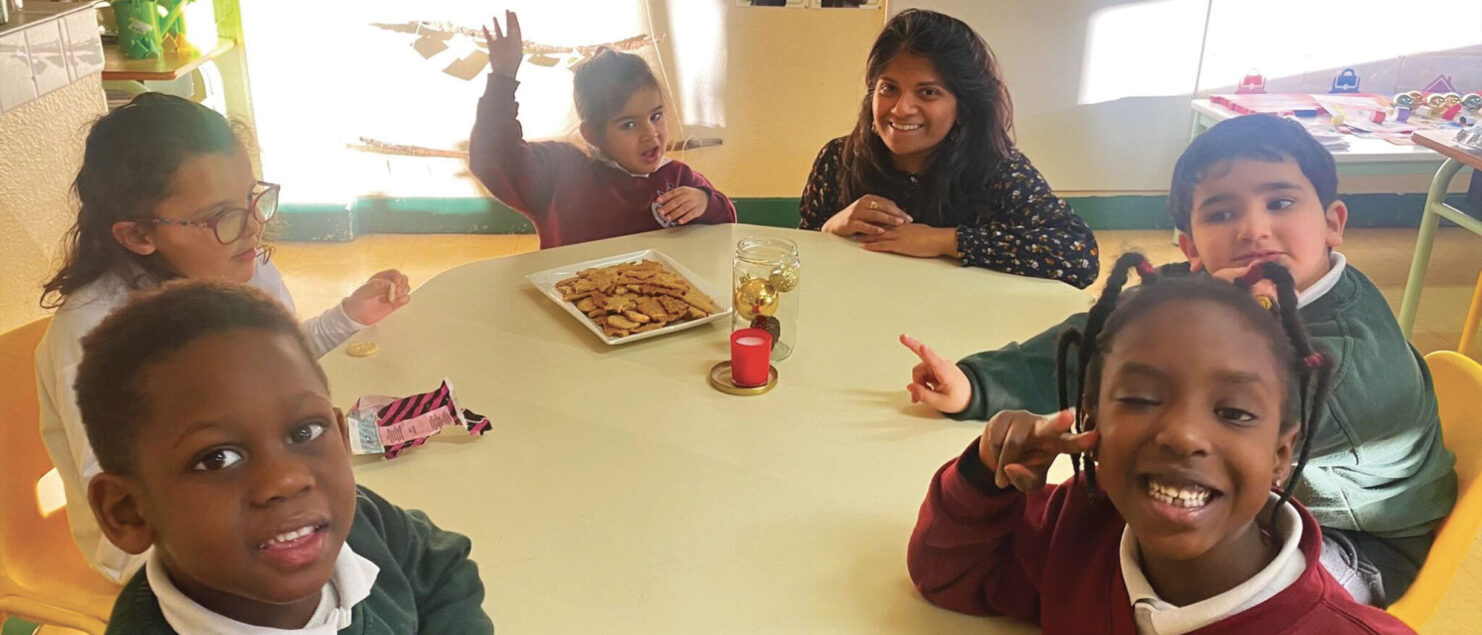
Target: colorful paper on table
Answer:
pixel 390 425
pixel 1358 103
pixel 1275 104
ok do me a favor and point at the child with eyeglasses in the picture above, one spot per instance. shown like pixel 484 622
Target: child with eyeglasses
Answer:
pixel 166 191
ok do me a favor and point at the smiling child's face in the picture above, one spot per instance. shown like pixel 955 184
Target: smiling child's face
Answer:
pixel 245 483
pixel 1191 438
pixel 635 136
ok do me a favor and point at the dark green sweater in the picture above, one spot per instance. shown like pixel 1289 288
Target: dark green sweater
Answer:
pixel 1377 462
pixel 426 584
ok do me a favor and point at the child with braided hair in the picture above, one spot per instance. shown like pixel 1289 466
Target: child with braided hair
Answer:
pixel 1249 191
pixel 1179 518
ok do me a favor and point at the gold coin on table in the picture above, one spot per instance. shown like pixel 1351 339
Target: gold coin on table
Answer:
pixel 362 349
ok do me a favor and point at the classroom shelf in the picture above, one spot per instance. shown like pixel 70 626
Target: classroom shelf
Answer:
pixel 166 67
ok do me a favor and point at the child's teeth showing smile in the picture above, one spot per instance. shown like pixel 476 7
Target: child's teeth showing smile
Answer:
pixel 293 550
pixel 1182 495
pixel 292 535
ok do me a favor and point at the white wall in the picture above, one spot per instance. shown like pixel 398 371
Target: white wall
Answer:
pixel 1126 144
pixel 1101 87
pixel 40 153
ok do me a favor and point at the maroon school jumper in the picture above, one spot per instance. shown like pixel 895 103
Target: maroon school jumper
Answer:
pixel 568 195
pixel 1053 558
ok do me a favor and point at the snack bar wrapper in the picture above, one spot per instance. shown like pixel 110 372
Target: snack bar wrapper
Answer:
pixel 389 425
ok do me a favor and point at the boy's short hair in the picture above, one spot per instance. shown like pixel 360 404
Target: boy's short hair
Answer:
pixel 153 325
pixel 1260 137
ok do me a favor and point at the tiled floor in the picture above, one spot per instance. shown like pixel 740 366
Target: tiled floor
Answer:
pixel 319 274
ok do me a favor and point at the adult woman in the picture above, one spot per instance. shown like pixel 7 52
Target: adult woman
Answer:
pixel 931 168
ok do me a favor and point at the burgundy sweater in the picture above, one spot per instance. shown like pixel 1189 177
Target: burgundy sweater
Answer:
pixel 1052 558
pixel 568 195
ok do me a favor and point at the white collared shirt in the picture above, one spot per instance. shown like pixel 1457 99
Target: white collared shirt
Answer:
pixel 597 155
pixel 1336 264
pixel 1157 617
pixel 352 581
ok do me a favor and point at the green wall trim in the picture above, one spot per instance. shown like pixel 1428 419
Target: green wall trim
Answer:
pixel 1151 212
pixel 386 215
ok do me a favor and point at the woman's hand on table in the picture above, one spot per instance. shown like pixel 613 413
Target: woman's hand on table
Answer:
pixel 1019 446
pixel 937 382
pixel 869 216
pixel 505 49
pixel 914 239
pixel 383 293
pixel 683 204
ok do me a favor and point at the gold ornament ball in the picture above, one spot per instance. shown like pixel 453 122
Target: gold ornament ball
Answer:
pixel 756 297
pixel 784 279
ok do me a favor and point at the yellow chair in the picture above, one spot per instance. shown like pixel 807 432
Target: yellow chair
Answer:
pixel 1474 317
pixel 43 577
pixel 1458 384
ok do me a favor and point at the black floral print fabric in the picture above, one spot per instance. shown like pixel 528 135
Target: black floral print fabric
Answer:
pixel 1022 229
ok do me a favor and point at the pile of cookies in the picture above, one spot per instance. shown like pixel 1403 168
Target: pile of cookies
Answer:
pixel 635 297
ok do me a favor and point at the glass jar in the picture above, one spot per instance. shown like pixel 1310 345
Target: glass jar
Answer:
pixel 765 276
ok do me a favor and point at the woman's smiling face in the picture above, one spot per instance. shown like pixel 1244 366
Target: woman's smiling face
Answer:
pixel 913 110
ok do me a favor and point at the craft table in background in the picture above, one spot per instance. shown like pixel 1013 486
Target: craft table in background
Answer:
pixel 1365 155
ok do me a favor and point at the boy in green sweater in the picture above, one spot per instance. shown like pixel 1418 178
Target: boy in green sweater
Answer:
pixel 222 453
pixel 1253 189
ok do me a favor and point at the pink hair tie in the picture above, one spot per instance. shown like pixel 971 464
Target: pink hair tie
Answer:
pixel 1146 268
pixel 1314 360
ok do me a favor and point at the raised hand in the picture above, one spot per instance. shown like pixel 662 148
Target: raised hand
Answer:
pixel 505 49
pixel 1019 446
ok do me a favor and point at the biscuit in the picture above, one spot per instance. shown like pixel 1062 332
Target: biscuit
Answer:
pixel 635 297
pixel 362 349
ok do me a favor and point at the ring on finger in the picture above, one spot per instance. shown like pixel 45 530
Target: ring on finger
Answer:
pixel 874 205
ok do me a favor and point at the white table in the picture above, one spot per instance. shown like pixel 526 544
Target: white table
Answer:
pixel 1363 156
pixel 618 492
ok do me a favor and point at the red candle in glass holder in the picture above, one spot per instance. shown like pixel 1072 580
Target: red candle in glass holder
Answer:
pixel 751 354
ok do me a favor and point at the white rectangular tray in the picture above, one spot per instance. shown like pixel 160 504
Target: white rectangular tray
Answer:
pixel 546 281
